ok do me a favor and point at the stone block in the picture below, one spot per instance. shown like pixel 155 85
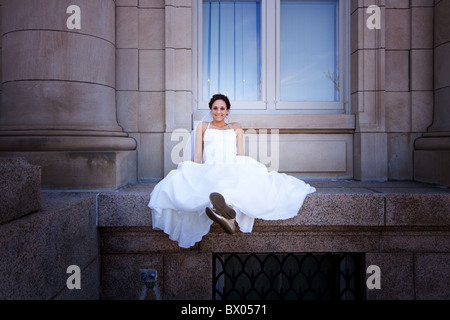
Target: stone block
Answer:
pixel 398 32
pixel 127 27
pixel 151 112
pixel 422 27
pixel 442 66
pixel 126 3
pixel 397 70
pixel 432 276
pixel 127 110
pixel 85 59
pixel 418 207
pixel 61 105
pixel 312 239
pixel 151 3
pixel 97 17
pixel 370 157
pixel 188 276
pixel 398 111
pixel 38 248
pixel 397 276
pixel 400 162
pixel 152 70
pixel 151 156
pixel 334 207
pixel 441 121
pixel 86 170
pixel 415 241
pixel 421 70
pixel 441 25
pixel 178 70
pixel 90 286
pixel 178 27
pixel 20 185
pixel 421 110
pixel 121 275
pixel 431 166
pixel 127 69
pixel 123 209
pixel 397 4
pixel 138 240
pixel 151 29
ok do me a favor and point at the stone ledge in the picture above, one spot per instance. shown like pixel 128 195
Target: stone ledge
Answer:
pixel 336 203
pixel 20 185
pixel 45 243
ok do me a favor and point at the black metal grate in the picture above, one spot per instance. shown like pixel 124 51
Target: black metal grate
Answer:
pixel 323 276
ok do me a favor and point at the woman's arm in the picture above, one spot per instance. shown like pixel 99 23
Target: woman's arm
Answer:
pixel 239 139
pixel 198 151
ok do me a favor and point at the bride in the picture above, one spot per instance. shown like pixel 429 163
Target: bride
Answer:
pixel 221 185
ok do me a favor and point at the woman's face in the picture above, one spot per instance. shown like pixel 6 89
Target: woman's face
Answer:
pixel 219 110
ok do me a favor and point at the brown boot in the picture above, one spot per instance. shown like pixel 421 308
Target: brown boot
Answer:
pixel 220 206
pixel 226 224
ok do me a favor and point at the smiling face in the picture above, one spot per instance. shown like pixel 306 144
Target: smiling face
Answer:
pixel 219 111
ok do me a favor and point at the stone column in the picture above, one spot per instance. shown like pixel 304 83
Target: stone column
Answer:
pixel 432 151
pixel 58 105
pixel 368 93
pixel 178 74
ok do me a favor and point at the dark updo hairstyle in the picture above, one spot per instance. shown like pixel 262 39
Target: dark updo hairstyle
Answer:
pixel 220 96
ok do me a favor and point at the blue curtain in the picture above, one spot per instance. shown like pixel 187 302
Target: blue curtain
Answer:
pixel 232 49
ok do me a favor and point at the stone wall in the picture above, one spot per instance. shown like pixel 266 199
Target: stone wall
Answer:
pixel 41 235
pixel 58 95
pixel 432 151
pixel 105 115
pixel 402 227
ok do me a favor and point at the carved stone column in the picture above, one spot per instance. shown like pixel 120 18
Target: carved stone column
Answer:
pixel 432 151
pixel 368 94
pixel 58 105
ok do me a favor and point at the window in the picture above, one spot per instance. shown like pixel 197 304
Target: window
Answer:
pixel 288 276
pixel 309 60
pixel 232 49
pixel 278 55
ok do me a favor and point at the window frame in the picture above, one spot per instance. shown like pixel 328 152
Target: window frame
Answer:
pixel 270 66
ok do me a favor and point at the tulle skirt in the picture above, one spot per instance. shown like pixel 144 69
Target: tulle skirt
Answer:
pixel 178 202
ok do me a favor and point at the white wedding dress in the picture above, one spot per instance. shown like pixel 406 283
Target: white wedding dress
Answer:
pixel 178 201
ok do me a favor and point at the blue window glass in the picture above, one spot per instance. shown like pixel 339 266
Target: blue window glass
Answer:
pixel 232 49
pixel 309 50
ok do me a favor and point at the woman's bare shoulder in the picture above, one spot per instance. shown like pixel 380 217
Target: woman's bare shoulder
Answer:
pixel 203 126
pixel 236 125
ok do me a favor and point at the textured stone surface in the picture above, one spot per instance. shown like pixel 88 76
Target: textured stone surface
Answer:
pixel 433 276
pixel 121 275
pixel 37 249
pixel 83 170
pixel 20 188
pixel 124 209
pixel 398 225
pixel 418 208
pixel 188 276
pixel 396 275
pixel 336 203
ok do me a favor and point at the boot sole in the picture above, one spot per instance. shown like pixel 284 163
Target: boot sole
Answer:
pixel 226 224
pixel 221 207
